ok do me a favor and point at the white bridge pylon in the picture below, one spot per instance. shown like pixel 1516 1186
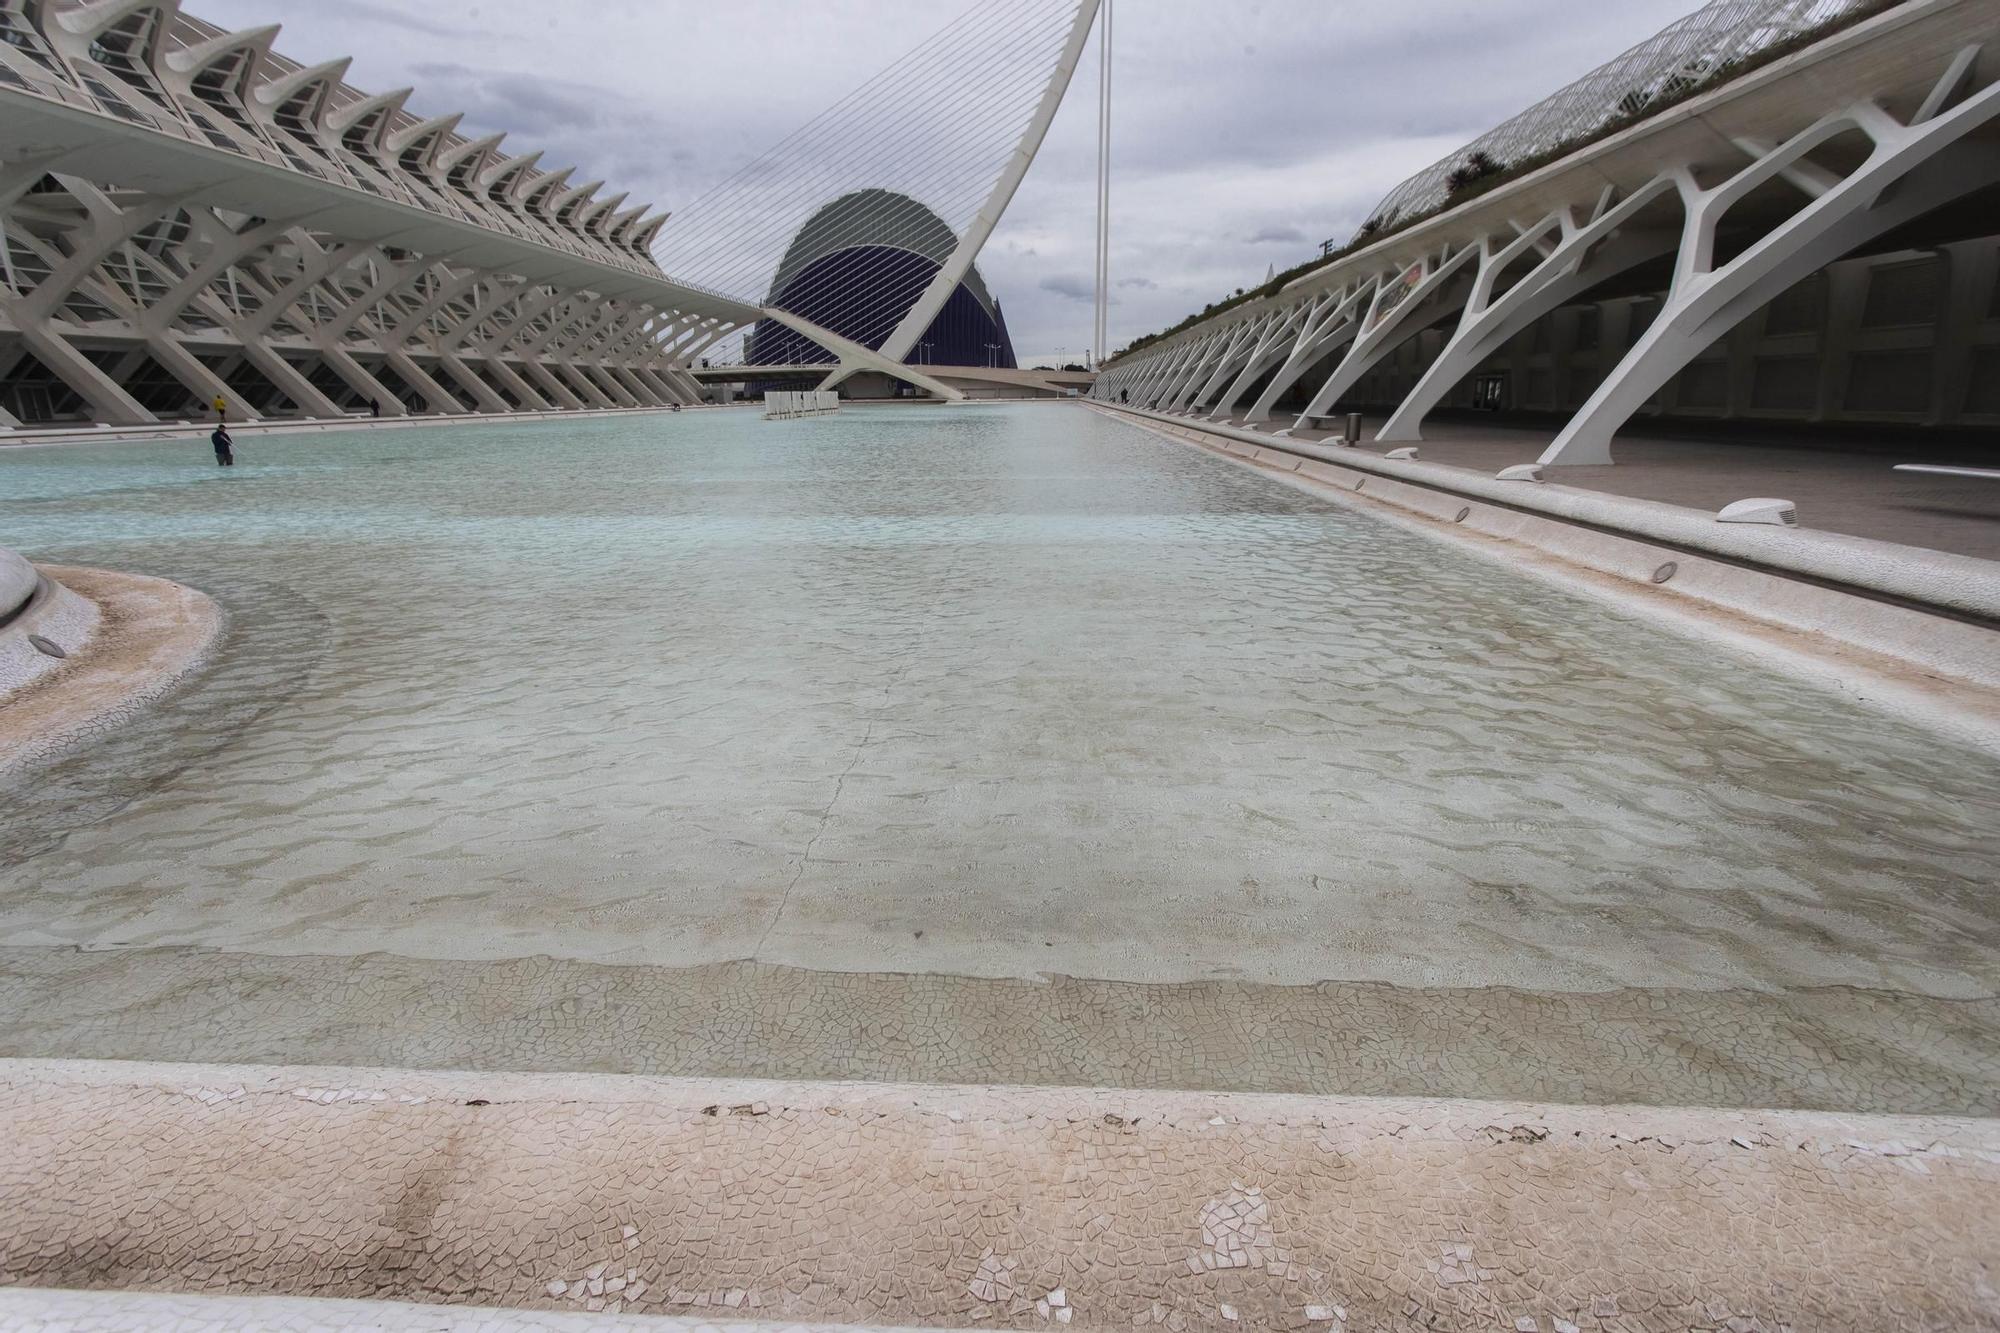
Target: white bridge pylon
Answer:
pixel 947 133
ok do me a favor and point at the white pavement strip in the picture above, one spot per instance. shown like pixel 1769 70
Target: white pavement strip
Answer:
pixel 30 1311
pixel 594 1198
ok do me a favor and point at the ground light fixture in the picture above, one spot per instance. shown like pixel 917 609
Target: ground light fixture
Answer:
pixel 1777 513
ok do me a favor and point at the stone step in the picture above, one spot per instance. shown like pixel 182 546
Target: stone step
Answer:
pixel 1007 1207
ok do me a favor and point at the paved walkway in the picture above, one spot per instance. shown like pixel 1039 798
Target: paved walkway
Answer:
pixel 1019 1209
pixel 1841 488
pixel 279 427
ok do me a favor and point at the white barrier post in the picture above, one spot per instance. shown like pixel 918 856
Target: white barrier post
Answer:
pixel 790 404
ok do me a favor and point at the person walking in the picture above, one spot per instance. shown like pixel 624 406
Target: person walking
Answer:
pixel 225 456
pixel 221 409
pixel 375 407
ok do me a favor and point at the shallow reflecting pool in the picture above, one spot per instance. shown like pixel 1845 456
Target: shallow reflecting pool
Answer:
pixel 919 696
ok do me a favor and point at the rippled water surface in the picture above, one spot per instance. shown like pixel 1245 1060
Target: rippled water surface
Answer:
pixel 993 690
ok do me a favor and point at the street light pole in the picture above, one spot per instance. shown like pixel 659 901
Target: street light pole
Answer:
pixel 1103 311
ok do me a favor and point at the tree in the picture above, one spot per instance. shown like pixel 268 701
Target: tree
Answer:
pixel 1479 166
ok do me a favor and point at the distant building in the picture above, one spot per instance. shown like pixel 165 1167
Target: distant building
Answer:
pixel 858 266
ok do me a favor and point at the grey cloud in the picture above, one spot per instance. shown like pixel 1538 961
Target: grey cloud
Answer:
pixel 1277 236
pixel 369 12
pixel 1070 288
pixel 390 16
pixel 519 103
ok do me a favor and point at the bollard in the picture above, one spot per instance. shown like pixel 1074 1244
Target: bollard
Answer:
pixel 1353 435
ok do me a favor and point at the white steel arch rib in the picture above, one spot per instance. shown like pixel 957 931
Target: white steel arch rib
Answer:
pixel 974 240
pixel 949 130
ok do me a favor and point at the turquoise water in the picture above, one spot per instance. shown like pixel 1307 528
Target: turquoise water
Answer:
pixel 999 690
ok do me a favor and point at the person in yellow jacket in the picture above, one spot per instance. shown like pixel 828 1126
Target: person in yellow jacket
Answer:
pixel 221 407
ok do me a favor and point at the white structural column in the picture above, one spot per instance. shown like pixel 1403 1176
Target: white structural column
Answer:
pixel 1267 352
pixel 1173 394
pixel 1101 328
pixel 677 342
pixel 106 230
pixel 109 229
pixel 1327 325
pixel 1169 391
pixel 252 331
pixel 644 355
pixel 414 328
pixel 562 356
pixel 537 321
pixel 331 337
pixel 534 360
pixel 602 357
pixel 488 300
pixel 1907 173
pixel 1212 367
pixel 1393 316
pixel 1154 374
pixel 1163 381
pixel 1240 346
pixel 608 330
pixel 321 263
pixel 614 354
pixel 1585 256
pixel 527 303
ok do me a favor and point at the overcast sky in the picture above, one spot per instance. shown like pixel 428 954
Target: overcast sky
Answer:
pixel 1246 132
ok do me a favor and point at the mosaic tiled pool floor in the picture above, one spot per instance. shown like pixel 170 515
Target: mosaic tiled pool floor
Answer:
pixel 982 744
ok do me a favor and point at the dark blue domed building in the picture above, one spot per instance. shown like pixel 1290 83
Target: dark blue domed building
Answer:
pixel 857 267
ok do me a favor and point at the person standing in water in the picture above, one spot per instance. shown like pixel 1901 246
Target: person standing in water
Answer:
pixel 224 455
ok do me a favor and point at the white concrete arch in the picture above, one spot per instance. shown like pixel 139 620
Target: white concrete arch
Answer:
pixel 246 48
pixel 360 126
pixel 538 196
pixel 506 183
pixel 596 217
pixel 565 208
pixel 619 229
pixel 75 29
pixel 316 85
pixel 417 146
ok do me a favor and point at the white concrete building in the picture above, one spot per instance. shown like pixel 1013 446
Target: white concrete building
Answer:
pixel 187 215
pixel 1774 210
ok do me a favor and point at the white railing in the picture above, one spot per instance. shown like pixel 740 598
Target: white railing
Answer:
pixel 788 404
